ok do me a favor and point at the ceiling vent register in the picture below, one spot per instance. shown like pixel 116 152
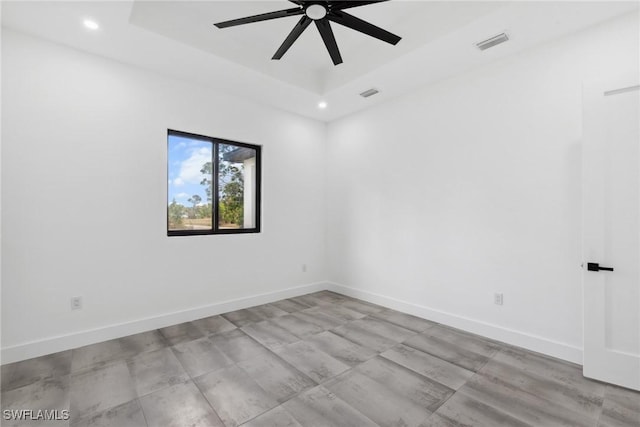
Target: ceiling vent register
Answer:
pixel 493 41
pixel 368 93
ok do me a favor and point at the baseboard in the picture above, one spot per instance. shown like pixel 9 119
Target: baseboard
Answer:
pixel 55 344
pixel 510 336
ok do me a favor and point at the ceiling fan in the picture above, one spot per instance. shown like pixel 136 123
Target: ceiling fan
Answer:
pixel 319 12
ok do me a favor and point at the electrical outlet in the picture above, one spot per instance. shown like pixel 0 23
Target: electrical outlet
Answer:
pixel 304 268
pixel 76 303
pixel 497 298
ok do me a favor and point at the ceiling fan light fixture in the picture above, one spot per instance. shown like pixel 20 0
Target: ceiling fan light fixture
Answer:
pixel 316 11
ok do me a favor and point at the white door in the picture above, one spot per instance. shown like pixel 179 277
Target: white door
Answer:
pixel 611 231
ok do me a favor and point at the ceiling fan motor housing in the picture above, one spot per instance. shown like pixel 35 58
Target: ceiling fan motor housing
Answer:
pixel 316 11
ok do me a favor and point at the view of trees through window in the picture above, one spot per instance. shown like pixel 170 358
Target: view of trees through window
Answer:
pixel 231 190
pixel 199 203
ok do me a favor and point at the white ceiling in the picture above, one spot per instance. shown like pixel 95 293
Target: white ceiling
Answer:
pixel 307 64
pixel 177 38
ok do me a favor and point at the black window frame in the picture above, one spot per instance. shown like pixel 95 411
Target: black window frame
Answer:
pixel 215 229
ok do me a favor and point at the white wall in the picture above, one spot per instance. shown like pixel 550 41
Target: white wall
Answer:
pixel 434 200
pixel 84 198
pixel 472 186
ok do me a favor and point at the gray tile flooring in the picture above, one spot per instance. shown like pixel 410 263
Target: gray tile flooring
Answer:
pixel 321 359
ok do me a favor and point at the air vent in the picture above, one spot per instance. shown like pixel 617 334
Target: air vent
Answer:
pixel 368 93
pixel 622 90
pixel 500 38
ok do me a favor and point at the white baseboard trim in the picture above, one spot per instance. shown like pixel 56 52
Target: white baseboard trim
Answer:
pixel 531 342
pixel 55 344
pixel 58 343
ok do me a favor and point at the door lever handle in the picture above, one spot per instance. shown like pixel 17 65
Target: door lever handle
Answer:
pixel 594 266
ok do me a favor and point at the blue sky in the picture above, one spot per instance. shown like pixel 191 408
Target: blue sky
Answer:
pixel 186 158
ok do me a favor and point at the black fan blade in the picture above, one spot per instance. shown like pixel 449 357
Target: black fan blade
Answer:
pixel 329 40
pixel 261 17
pixel 296 2
pixel 293 36
pixel 339 5
pixel 350 21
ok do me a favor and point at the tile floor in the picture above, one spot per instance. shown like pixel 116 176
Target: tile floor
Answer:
pixel 321 359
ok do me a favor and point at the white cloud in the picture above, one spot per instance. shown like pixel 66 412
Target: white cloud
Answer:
pixel 182 196
pixel 190 168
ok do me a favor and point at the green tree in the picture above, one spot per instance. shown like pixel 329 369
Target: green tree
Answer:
pixel 207 171
pixel 203 211
pixel 230 187
pixel 195 199
pixel 175 215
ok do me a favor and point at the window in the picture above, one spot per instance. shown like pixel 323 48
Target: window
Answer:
pixel 214 185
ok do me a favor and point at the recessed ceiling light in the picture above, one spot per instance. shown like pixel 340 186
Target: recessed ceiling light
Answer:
pixel 92 25
pixel 322 105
